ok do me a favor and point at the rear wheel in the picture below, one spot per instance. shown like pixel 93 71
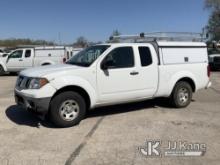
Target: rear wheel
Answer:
pixel 67 109
pixel 2 71
pixel 181 95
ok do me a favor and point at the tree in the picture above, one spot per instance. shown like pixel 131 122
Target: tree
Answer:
pixel 81 42
pixel 213 26
pixel 212 4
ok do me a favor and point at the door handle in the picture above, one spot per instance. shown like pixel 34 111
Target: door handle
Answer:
pixel 134 73
pixel 20 60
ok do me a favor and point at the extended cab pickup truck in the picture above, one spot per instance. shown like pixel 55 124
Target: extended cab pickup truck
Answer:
pixel 112 74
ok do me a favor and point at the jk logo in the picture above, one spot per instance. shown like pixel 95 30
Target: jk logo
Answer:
pixel 152 148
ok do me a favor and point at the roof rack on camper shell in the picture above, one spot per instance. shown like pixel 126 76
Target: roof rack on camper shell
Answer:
pixel 161 36
pixel 52 47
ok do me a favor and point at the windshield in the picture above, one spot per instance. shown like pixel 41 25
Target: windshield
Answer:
pixel 87 56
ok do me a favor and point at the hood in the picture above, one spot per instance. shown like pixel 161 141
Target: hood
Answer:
pixel 43 71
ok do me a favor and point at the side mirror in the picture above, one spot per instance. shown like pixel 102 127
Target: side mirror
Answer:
pixel 104 66
pixel 108 63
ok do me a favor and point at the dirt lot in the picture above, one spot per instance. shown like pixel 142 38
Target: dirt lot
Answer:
pixel 110 135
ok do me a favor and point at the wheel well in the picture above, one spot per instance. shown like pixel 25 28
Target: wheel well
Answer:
pixel 45 64
pixel 77 89
pixel 190 81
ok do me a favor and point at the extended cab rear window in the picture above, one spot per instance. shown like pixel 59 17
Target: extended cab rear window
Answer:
pixel 28 53
pixel 145 56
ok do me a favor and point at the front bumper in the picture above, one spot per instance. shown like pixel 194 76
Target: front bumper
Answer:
pixel 38 105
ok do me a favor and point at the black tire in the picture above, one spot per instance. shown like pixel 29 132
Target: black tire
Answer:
pixel 59 105
pixel 181 95
pixel 2 71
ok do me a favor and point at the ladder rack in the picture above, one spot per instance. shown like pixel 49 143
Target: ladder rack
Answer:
pixel 160 36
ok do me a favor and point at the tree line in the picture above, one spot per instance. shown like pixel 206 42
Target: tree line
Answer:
pixel 16 42
pixel 81 42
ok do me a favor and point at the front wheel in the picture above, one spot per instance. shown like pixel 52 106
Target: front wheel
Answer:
pixel 67 109
pixel 181 95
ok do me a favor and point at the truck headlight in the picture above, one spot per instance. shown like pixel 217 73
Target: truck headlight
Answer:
pixel 37 83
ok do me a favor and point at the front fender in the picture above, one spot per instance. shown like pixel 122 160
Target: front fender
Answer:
pixel 62 82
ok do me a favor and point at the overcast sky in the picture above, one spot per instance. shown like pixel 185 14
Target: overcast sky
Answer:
pixel 96 19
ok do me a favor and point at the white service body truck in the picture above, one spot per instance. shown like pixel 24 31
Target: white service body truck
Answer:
pixel 111 74
pixel 24 58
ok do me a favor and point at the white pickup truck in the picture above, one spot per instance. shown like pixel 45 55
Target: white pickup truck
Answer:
pixel 116 73
pixel 28 57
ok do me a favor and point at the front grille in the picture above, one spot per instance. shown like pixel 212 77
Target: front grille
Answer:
pixel 22 82
pixel 217 59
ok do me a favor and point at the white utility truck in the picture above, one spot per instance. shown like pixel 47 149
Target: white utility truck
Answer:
pixel 115 73
pixel 32 56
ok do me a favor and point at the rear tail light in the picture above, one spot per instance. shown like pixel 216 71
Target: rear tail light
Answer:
pixel 208 71
pixel 64 60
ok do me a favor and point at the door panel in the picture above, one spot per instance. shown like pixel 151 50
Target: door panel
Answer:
pixel 15 61
pixel 118 81
pixel 130 83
